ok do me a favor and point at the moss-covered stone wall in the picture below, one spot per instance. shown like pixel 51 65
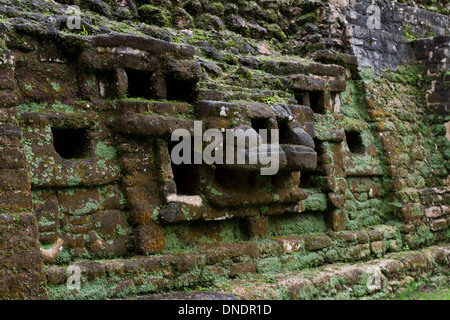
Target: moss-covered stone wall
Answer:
pixel 86 117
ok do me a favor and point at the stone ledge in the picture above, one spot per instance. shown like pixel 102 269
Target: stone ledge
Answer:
pixel 377 279
pixel 213 264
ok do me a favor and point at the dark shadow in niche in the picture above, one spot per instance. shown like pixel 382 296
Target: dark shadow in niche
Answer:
pixel 240 181
pixel 316 102
pixel 285 133
pixel 310 180
pixel 181 90
pixel 139 84
pixel 185 175
pixel 354 142
pixel 302 98
pixel 72 144
pixel 262 123
pixel 106 80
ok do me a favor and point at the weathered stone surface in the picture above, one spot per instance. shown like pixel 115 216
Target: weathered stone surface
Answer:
pixel 56 275
pixel 257 226
pixel 198 295
pixel 433 212
pixel 378 247
pixel 185 209
pixel 242 268
pixel 301 137
pixel 149 238
pixel 300 157
pixel 290 244
pixel 337 219
pixel 369 149
pixel 438 224
pixel 20 252
pixel 318 242
pixel 222 251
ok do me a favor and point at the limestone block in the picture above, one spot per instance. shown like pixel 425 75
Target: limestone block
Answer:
pixel 433 212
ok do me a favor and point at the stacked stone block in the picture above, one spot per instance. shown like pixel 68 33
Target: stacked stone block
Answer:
pixel 21 263
pixel 377 32
pixel 435 202
pixel 435 56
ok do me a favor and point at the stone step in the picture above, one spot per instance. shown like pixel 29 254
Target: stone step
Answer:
pixel 195 295
pixel 375 279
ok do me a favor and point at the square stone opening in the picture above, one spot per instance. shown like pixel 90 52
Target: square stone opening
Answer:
pixel 354 142
pixel 179 90
pixel 185 175
pixel 302 98
pixel 316 101
pixel 262 123
pixel 72 144
pixel 285 133
pixel 309 180
pixel 139 84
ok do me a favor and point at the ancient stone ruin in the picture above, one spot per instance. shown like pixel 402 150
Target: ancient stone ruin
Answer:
pixel 92 205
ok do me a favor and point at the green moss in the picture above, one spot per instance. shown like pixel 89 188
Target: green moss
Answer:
pixel 423 236
pixel 352 99
pixel 297 224
pixel 55 86
pixel 316 202
pixel 411 73
pixel 408 33
pixel 303 260
pixel 154 15
pixel 65 256
pixel 61 107
pixel 427 287
pixel 269 265
pixel 99 289
pixel 231 232
pixel 31 107
pixel 120 231
pixel 104 151
pixel 367 74
pixel 172 239
pixel 209 276
pixel 215 192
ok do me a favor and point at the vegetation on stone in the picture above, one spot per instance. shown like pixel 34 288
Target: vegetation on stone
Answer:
pixel 91 91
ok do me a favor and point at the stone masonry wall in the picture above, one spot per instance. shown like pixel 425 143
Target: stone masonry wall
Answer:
pixel 378 31
pixel 435 55
pixel 21 264
pixel 88 181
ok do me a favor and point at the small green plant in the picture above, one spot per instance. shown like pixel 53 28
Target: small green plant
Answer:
pixel 201 288
pixel 269 100
pixel 269 279
pixel 84 32
pixel 408 33
pixel 55 86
